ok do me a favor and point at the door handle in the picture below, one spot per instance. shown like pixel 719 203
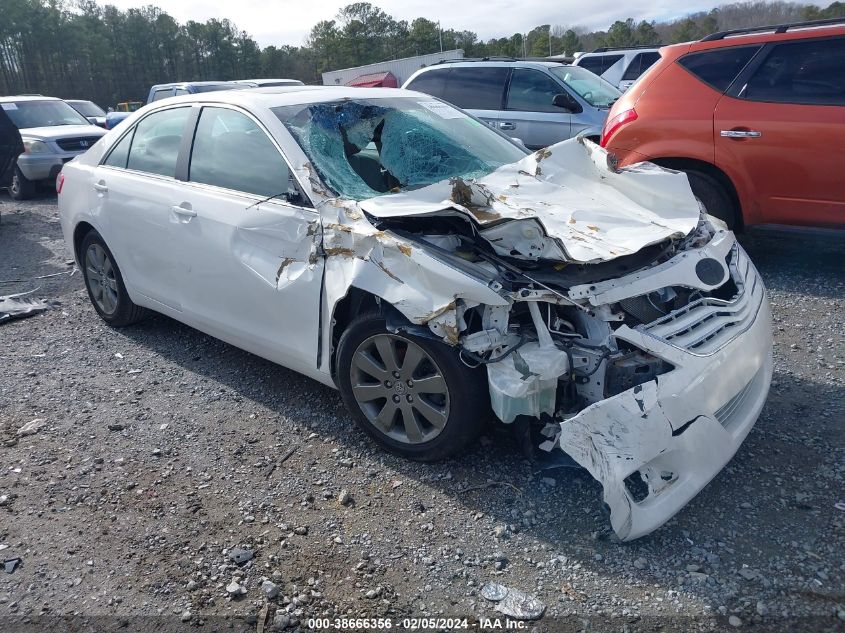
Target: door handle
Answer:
pixel 740 133
pixel 184 211
pixel 100 187
pixel 507 125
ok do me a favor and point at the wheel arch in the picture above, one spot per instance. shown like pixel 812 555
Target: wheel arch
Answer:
pixel 354 302
pixel 358 301
pixel 79 232
pixel 693 164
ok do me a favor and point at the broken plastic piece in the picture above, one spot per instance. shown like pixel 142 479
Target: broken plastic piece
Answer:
pixel 520 606
pixel 20 307
pixel 11 564
pixel 494 592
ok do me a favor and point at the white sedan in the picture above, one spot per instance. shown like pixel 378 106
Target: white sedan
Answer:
pixel 439 275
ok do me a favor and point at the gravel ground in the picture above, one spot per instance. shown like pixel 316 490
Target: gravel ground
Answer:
pixel 165 450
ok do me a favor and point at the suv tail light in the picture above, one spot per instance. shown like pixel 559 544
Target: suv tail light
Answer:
pixel 613 125
pixel 60 182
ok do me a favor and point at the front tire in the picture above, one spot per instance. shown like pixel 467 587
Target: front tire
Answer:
pixel 412 395
pixel 713 196
pixel 105 283
pixel 21 188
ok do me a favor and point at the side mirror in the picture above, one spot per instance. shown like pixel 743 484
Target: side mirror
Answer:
pixel 566 102
pixel 518 141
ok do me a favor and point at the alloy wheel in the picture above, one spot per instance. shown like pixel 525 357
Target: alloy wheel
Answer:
pixel 100 274
pixel 399 388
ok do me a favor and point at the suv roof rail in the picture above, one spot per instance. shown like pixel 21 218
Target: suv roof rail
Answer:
pixel 605 49
pixel 777 28
pixel 492 58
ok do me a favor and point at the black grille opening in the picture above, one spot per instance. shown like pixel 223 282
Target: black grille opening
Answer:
pixel 78 144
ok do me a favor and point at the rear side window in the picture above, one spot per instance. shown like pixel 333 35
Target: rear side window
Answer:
pixel 809 72
pixel 155 146
pixel 718 68
pixel 162 93
pixel 641 63
pixel 533 91
pixel 431 83
pixel 598 64
pixel 223 139
pixel 480 88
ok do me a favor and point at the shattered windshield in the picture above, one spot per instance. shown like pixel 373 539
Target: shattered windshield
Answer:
pixel 363 148
pixel 592 88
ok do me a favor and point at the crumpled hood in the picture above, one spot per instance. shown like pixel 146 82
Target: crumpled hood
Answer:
pixel 564 203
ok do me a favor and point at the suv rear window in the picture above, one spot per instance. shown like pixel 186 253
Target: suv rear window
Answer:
pixel 718 68
pixel 641 63
pixel 480 88
pixel 809 72
pixel 598 63
pixel 431 82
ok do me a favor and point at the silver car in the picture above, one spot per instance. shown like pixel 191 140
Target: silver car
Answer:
pixel 53 133
pixel 539 103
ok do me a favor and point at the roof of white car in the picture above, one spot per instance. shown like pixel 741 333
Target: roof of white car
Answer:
pixel 27 98
pixel 291 95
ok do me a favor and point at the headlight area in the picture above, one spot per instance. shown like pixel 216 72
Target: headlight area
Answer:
pixel 653 391
pixel 34 146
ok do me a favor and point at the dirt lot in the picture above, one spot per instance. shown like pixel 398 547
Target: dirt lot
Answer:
pixel 163 449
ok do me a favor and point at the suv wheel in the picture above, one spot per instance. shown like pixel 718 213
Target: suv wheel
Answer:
pixel 21 187
pixel 412 395
pixel 713 196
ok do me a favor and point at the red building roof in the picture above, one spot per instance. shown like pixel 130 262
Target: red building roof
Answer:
pixel 374 80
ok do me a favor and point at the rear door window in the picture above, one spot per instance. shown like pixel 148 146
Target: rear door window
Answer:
pixel 809 72
pixel 432 82
pixel 533 91
pixel 479 88
pixel 155 145
pixel 598 64
pixel 718 68
pixel 641 63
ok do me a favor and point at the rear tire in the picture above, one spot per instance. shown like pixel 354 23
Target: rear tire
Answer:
pixel 395 403
pixel 713 196
pixel 105 283
pixel 21 188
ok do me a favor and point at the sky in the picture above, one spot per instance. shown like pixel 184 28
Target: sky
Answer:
pixel 289 22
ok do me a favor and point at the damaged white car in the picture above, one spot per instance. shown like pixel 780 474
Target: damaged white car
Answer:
pixel 386 243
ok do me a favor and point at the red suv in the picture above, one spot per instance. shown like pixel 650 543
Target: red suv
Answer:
pixel 755 117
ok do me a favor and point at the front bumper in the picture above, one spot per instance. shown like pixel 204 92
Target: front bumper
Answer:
pixel 654 447
pixel 44 166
